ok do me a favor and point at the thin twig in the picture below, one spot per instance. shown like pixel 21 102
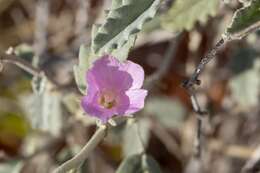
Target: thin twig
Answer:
pixel 84 153
pixel 193 80
pixel 26 66
pixel 189 86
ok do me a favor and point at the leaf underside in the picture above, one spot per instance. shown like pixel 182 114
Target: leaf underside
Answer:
pixel 124 19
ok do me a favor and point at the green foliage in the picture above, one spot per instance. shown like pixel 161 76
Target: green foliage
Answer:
pixel 116 36
pixel 185 13
pixel 245 85
pixel 139 163
pixel 80 70
pixel 168 111
pixel 124 19
pixel 245 20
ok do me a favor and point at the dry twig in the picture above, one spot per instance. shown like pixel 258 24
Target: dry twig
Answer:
pixel 189 86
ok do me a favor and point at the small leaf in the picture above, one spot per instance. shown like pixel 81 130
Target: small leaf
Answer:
pixel 121 22
pixel 185 13
pixel 81 69
pixel 139 163
pixel 245 21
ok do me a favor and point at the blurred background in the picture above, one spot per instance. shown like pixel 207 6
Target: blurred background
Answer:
pixel 39 130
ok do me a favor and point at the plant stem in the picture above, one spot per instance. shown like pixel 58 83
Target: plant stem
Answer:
pixel 84 153
pixel 13 59
pixel 189 86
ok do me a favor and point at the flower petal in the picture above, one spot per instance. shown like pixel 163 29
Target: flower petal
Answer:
pixel 107 73
pixel 91 107
pixel 136 72
pixel 136 100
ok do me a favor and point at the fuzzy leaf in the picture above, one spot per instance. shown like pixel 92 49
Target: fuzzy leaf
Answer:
pixel 121 22
pixel 122 53
pixel 86 58
pixel 185 13
pixel 139 163
pixel 80 70
pixel 121 29
pixel 245 20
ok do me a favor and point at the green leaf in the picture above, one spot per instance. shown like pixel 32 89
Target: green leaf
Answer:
pixel 139 163
pixel 121 22
pixel 245 21
pixel 81 69
pixel 185 13
pixel 170 112
pixel 122 53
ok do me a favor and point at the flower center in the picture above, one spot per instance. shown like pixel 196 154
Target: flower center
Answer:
pixel 107 100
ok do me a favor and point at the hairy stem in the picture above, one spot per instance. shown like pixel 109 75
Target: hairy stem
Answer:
pixel 189 86
pixel 84 153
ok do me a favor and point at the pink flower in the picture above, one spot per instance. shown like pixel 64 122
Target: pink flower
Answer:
pixel 114 88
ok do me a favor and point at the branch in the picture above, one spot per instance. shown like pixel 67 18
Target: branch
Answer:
pixel 84 153
pixel 26 66
pixel 204 61
pixel 189 86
